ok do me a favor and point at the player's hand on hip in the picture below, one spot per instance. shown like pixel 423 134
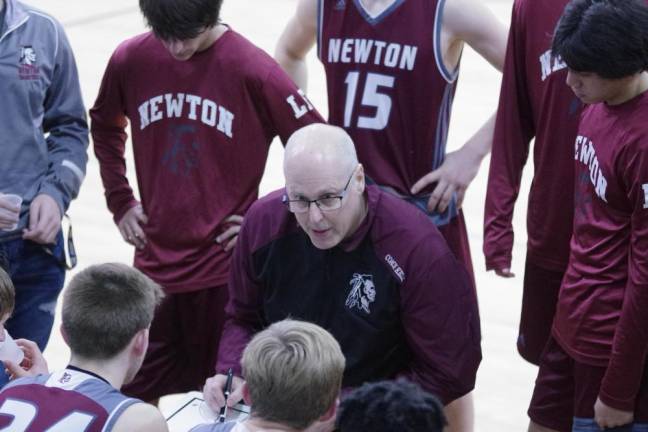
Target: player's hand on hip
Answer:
pixel 130 226
pixel 453 177
pixel 505 273
pixel 608 417
pixel 213 391
pixel 33 364
pixel 227 238
pixel 44 220
pixel 9 213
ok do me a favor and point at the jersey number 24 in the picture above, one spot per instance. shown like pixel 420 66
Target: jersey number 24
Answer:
pixel 24 413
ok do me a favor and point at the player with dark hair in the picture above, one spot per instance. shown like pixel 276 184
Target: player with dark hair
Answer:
pixel 204 105
pixel 107 311
pixel 535 103
pixel 593 372
pixel 388 406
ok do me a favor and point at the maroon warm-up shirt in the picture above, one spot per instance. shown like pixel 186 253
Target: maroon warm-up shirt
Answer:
pixel 392 294
pixel 534 102
pixel 201 131
pixel 602 315
pixel 388 87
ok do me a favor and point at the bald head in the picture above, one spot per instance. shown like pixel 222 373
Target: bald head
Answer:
pixel 320 144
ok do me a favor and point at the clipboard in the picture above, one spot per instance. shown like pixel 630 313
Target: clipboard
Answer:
pixel 193 411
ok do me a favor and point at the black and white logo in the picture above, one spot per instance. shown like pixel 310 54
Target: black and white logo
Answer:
pixel 27 55
pixel 363 292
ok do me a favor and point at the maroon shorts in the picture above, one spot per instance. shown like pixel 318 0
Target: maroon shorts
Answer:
pixel 539 299
pixel 566 389
pixel 183 344
pixel 456 235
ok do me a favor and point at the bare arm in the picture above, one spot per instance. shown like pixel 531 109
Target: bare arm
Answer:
pixel 470 21
pixel 141 417
pixel 296 40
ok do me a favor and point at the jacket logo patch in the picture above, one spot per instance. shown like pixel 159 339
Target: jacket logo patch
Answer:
pixel 340 5
pixel 27 68
pixel 363 292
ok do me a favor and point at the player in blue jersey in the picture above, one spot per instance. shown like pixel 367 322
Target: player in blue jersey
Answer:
pixel 107 312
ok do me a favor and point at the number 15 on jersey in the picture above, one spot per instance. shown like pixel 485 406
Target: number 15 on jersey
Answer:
pixel 373 95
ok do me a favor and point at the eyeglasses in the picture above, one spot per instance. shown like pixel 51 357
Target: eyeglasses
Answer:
pixel 327 202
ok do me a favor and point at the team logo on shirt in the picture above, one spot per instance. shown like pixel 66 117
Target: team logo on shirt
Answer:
pixel 363 292
pixel 339 5
pixel 27 68
pixel 550 64
pixel 65 378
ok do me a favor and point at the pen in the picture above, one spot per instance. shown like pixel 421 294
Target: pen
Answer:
pixel 228 390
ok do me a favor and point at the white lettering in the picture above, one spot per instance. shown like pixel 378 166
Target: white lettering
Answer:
pixel 379 47
pixel 645 189
pixel 156 114
pixel 208 113
pixel 174 105
pixel 394 265
pixel 346 50
pixel 362 50
pixel 392 55
pixel 334 50
pixel 409 57
pixel 143 113
pixel 545 64
pixel 193 101
pixel 225 120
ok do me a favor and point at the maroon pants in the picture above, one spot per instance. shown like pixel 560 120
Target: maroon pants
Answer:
pixel 183 344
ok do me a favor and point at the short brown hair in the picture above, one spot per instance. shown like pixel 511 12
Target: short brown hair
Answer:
pixel 293 371
pixel 7 294
pixel 104 306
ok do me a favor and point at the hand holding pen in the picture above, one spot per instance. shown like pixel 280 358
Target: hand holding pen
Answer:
pixel 226 392
pixel 214 391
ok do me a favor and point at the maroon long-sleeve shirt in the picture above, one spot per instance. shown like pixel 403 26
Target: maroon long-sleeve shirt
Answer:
pixel 201 130
pixel 602 314
pixel 534 102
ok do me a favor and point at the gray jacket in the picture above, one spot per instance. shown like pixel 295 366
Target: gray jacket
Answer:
pixel 43 127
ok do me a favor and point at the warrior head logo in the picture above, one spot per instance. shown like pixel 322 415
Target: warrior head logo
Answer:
pixel 27 55
pixel 65 378
pixel 363 292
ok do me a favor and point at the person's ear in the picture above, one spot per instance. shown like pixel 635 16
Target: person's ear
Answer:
pixel 64 335
pixel 140 342
pixel 246 395
pixel 360 179
pixel 331 412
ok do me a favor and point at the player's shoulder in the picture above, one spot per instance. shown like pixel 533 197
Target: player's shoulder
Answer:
pixel 243 55
pixel 134 47
pixel 141 417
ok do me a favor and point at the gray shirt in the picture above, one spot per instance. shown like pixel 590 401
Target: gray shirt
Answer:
pixel 215 427
pixel 43 128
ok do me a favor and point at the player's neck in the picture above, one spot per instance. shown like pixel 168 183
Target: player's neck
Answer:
pixel 255 424
pixel 636 85
pixel 376 7
pixel 213 35
pixel 114 371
